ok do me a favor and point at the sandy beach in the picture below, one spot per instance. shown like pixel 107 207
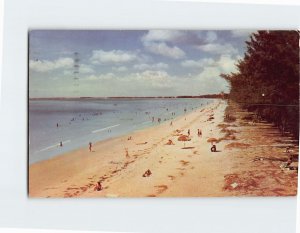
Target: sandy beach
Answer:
pixel 249 161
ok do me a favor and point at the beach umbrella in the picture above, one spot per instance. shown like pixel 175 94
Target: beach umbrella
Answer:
pixel 184 138
pixel 212 140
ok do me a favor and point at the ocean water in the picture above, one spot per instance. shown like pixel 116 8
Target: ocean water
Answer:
pixel 75 123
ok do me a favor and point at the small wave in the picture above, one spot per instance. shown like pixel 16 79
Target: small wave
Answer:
pixel 146 122
pixel 56 145
pixel 109 127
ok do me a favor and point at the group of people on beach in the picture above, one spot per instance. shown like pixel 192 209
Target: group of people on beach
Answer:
pixel 199 132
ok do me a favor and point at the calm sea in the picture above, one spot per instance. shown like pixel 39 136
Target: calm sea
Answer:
pixel 75 123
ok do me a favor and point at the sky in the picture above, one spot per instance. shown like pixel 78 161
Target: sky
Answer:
pixel 132 62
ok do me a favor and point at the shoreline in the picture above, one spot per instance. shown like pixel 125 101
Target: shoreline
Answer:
pixel 123 135
pixel 96 127
pixel 175 172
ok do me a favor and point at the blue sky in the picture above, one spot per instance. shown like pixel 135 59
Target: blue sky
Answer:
pixel 132 63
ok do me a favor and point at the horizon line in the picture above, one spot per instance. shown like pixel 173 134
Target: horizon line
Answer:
pixel 119 97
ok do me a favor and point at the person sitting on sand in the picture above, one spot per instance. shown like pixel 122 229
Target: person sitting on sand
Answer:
pixel 98 186
pixel 147 173
pixel 170 142
pixel 213 148
pixel 129 138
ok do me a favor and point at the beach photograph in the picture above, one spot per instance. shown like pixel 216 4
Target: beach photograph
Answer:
pixel 163 113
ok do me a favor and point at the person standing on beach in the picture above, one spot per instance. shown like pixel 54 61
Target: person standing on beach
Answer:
pixel 127 153
pixel 90 146
pixel 199 133
pixel 189 132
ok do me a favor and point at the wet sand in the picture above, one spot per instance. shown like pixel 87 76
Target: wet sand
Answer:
pixel 248 162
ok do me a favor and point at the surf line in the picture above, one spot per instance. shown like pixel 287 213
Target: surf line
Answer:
pixel 109 127
pixel 56 145
pixel 146 122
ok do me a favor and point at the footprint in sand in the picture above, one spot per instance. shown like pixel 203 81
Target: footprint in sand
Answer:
pixel 151 195
pixel 184 163
pixel 68 195
pixel 161 188
pixel 69 188
pixel 171 177
pixel 83 189
pixel 180 168
pixel 50 188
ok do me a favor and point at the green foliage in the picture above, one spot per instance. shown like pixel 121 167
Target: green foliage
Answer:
pixel 267 81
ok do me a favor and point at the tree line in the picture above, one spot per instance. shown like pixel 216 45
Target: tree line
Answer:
pixel 267 78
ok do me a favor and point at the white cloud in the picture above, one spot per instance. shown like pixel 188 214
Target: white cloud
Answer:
pixel 227 63
pixel 46 65
pixel 83 69
pixel 176 36
pixel 155 41
pixel 147 78
pixel 107 76
pixel 153 78
pixel 120 68
pixel 113 56
pixel 162 35
pixel 144 66
pixel 211 36
pixel 211 81
pixel 223 64
pixel 165 50
pixel 199 63
pixel 241 33
pixel 86 69
pixel 215 48
pixel 156 83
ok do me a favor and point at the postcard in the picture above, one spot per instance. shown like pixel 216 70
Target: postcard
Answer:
pixel 163 113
